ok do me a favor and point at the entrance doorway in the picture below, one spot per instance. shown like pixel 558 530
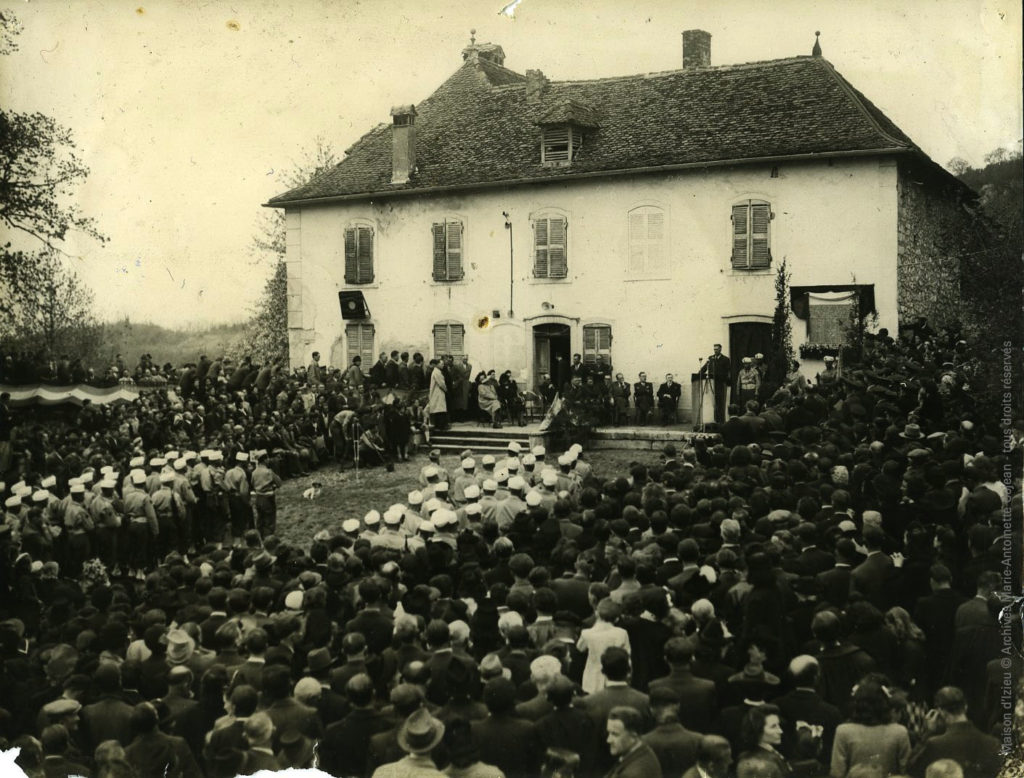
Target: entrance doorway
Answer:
pixel 745 340
pixel 551 341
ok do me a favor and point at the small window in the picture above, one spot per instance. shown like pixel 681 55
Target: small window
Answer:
pixel 751 246
pixel 359 343
pixel 550 248
pixel 448 251
pixel 647 254
pixel 561 145
pixel 359 254
pixel 449 338
pixel 597 342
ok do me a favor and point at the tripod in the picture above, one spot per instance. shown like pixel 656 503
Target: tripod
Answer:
pixel 704 386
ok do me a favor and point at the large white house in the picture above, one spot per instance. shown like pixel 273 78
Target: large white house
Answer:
pixel 511 218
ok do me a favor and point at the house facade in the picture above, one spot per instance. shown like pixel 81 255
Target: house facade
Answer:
pixel 639 220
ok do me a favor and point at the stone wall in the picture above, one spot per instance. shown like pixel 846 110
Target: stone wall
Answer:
pixel 933 228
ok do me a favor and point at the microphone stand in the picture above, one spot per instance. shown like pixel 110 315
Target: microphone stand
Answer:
pixel 699 420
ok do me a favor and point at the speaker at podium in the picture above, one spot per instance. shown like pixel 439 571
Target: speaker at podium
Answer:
pixel 702 401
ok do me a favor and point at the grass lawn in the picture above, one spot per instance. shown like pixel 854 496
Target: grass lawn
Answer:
pixel 346 496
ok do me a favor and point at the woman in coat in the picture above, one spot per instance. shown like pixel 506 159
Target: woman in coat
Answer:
pixel 487 396
pixel 437 405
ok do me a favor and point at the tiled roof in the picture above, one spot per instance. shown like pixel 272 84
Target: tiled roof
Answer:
pixel 480 127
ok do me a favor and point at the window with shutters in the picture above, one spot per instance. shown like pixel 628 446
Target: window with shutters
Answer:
pixel 648 252
pixel 597 342
pixel 751 235
pixel 359 254
pixel 447 242
pixel 550 246
pixel 359 343
pixel 449 338
pixel 560 145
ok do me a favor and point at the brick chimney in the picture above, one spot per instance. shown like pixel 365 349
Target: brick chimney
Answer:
pixel 403 143
pixel 536 83
pixel 696 49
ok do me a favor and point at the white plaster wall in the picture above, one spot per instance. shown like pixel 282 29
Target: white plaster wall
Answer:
pixel 833 224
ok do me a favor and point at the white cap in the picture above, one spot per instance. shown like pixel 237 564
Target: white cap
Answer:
pixel 444 518
pixel 576 448
pixel 372 518
pixel 86 477
pixel 157 462
pixel 391 517
pixel 490 485
pixel 216 455
pixel 47 483
pixel 430 471
pixel 512 465
pixel 533 499
pixel 432 505
pixel 180 463
pixel 107 484
pixel 471 492
pixel 488 460
pixel 538 451
pixel 77 489
pixel 13 502
pixel 41 496
pixel 293 601
pixel 549 478
pixel 241 456
pixel 21 484
pixel 564 459
pixel 427 526
pixel 473 509
pixel 514 447
pixel 138 476
pixel 188 456
pixel 107 469
pixel 397 508
pixel 171 456
pixel 24 491
pixel 167 477
pixel 501 476
pixel 74 481
pixel 350 526
pixel 516 483
pixel 415 498
pixel 137 462
pixel 441 487
pixel 205 453
pixel 468 463
pixel 529 459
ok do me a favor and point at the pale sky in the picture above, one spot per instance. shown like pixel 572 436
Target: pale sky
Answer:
pixel 186 112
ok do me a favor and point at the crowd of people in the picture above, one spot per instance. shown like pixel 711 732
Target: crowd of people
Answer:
pixel 816 593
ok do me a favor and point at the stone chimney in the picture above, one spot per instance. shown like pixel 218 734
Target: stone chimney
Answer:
pixel 696 49
pixel 403 143
pixel 536 83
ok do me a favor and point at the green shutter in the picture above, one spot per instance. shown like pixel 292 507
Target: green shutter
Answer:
pixel 440 263
pixel 351 269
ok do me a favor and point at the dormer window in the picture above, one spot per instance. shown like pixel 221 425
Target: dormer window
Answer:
pixel 563 126
pixel 561 145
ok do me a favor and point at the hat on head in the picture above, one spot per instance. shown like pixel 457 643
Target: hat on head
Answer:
pixel 157 462
pixel 473 509
pixel 180 646
pixel 435 453
pixel 41 496
pixel 847 526
pixel 468 463
pixel 829 358
pixel 180 463
pixel 538 451
pixel 318 660
pixel 490 485
pixel 471 492
pixel 138 476
pixel 491 667
pixel 549 478
pixel 293 601
pixel 516 483
pixel 512 465
pixel 13 502
pixel 415 498
pixel 427 527
pixel 77 489
pixel 432 505
pixel 430 471
pixel 514 447
pixel 441 487
pixel 167 478
pixel 47 483
pixel 488 459
pixel 62 706
pixel 188 456
pixel 392 516
pixel 372 518
pixel 137 462
pixel 747 361
pixel 420 733
pixel 564 459
pixel 529 460
pixel 108 483
pixel 86 477
pixel 444 518
pixel 241 456
pixel 533 498
pixel 297 750
pixel 350 526
pixel 912 432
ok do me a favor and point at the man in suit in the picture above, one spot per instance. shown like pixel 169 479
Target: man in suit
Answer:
pixel 379 371
pixel 578 369
pixel 874 576
pixel 54 740
pixel 259 734
pixel 371 621
pixel 503 739
pixel 804 704
pixel 619 395
pixel 811 560
pixel 975 752
pixel 154 753
pixel 668 399
pixel 284 710
pixel 675 746
pixel 935 614
pixel 643 399
pixel 635 759
pixel 718 369
pixel 543 670
pixel 617 693
pixel 344 748
pixel 835 583
pixel 696 696
pixel 109 718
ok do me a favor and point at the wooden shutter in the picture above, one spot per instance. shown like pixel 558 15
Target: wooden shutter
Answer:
pixel 646 241
pixel 557 261
pixel 359 342
pixel 655 241
pixel 637 242
pixel 441 340
pixel 440 255
pixel 597 342
pixel 556 144
pixel 449 339
pixel 453 231
pixel 365 255
pixel 760 218
pixel 740 236
pixel 540 248
pixel 351 268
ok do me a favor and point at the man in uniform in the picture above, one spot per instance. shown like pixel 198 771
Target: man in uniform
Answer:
pixel 719 370
pixel 107 522
pixel 78 524
pixel 170 514
pixel 748 382
pixel 236 485
pixel 643 399
pixel 265 483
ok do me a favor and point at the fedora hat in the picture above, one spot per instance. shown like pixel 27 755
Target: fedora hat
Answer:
pixel 912 432
pixel 420 733
pixel 296 750
pixel 180 647
pixel 318 660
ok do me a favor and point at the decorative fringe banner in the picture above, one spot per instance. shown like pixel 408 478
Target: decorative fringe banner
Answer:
pixel 44 394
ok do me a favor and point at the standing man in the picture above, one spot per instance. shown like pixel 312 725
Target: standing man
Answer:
pixel 748 382
pixel 391 370
pixel 619 395
pixel 236 485
pixel 719 370
pixel 643 399
pixel 265 483
pixel 437 405
pixel 314 374
pixel 668 399
pixel 559 373
pixel 379 372
pixel 578 370
pixel 635 759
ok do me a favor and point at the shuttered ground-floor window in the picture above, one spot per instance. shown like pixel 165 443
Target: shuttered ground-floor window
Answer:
pixel 359 343
pixel 597 342
pixel 449 338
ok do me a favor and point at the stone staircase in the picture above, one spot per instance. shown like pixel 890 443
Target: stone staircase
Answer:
pixel 483 440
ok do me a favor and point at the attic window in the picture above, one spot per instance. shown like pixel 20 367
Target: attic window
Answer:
pixel 561 144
